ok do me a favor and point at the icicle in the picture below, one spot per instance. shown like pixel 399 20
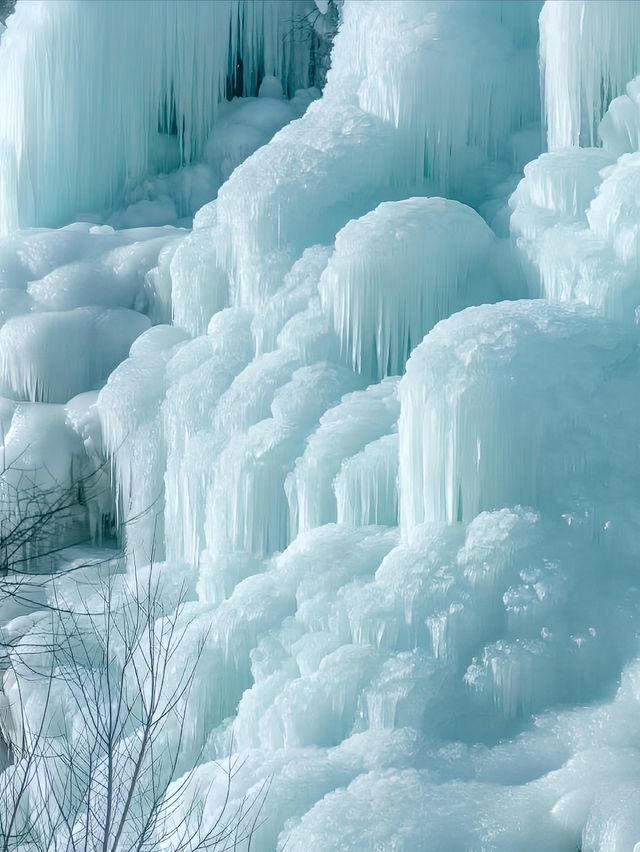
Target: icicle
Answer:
pixel 384 129
pixel 399 270
pixel 588 53
pixel 87 87
pixel 344 430
pixel 247 506
pixel 486 417
pixel 198 375
pixel 575 225
pixel 367 488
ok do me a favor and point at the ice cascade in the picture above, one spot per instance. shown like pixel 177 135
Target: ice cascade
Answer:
pixel 366 424
pixel 65 153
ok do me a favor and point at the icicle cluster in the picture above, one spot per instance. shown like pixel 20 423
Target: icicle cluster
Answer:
pixel 374 410
pixel 147 78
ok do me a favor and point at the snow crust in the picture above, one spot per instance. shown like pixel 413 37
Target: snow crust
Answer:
pixel 357 374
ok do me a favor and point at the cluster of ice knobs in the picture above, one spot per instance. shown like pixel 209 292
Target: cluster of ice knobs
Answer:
pixel 364 363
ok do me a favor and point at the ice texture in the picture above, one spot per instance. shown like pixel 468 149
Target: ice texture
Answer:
pixel 408 243
pixel 62 156
pixel 588 55
pixel 454 463
pixel 355 374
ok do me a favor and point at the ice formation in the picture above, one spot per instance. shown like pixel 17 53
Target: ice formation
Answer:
pixel 350 378
pixel 588 56
pixel 409 243
pixel 152 109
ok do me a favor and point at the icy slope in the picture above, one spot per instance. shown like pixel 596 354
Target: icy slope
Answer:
pixel 379 426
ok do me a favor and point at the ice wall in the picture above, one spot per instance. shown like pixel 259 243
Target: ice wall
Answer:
pixel 574 213
pixel 383 437
pixel 472 432
pixel 96 95
pixel 588 54
pixel 412 138
pixel 409 243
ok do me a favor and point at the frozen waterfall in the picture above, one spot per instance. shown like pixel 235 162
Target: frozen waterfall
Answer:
pixel 319 359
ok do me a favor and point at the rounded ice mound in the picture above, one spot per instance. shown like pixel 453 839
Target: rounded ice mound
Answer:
pixel 574 222
pixel 398 81
pixel 247 508
pixel 270 87
pixel 116 278
pixel 613 214
pixel 366 487
pixel 399 270
pixel 344 430
pixel 557 186
pixel 620 126
pixel 53 356
pixel 128 408
pixel 414 809
pixel 199 283
pixel 47 475
pixel 383 129
pixel 497 408
pixel 245 125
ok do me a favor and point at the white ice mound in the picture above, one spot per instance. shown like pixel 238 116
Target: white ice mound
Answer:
pixel 399 270
pixel 575 224
pixel 384 129
pixel 620 128
pixel 348 644
pixel 47 477
pixel 64 152
pixel 247 508
pixel 400 65
pixel 366 487
pixel 128 408
pixel 346 429
pixel 497 408
pixel 54 355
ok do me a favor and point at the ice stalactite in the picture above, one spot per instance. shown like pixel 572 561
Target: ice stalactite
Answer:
pixel 366 487
pixel 253 515
pixel 441 137
pixel 588 54
pixel 574 223
pixel 68 152
pixel 412 140
pixel 344 430
pixel 472 433
pixel 403 512
pixel 128 408
pixel 439 255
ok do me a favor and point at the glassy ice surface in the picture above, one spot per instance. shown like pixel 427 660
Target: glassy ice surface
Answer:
pixel 355 364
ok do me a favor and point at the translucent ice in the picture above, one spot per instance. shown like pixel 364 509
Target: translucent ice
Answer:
pixel 88 147
pixel 344 430
pixel 437 253
pixel 52 356
pixel 402 512
pixel 588 54
pixel 472 433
